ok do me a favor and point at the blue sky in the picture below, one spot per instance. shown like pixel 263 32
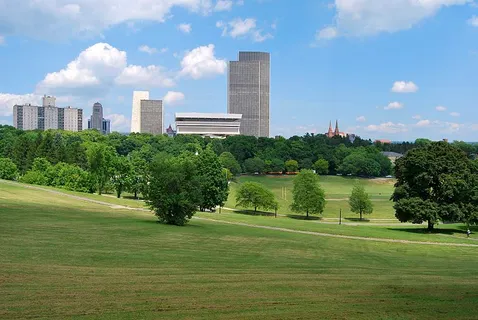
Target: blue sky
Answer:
pixel 399 69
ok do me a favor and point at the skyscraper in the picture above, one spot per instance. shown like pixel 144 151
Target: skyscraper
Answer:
pixel 151 116
pixel 97 117
pixel 249 92
pixel 136 114
pixel 147 115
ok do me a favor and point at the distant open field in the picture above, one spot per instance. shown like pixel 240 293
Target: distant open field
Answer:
pixel 64 258
pixel 337 190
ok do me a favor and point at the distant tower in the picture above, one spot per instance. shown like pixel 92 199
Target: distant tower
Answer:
pixel 337 131
pixel 97 117
pixel 136 114
pixel 248 92
pixel 330 133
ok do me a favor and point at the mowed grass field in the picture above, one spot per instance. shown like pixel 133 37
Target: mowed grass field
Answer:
pixel 63 258
pixel 337 191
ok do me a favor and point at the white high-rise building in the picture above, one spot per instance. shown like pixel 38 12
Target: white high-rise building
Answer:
pixel 136 114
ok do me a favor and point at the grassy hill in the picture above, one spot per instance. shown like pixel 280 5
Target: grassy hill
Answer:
pixel 337 190
pixel 63 258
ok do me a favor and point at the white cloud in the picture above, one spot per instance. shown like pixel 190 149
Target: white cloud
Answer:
pixel 119 122
pixel 404 87
pixel 147 49
pixel 361 119
pixel 454 114
pixel 417 117
pixel 185 27
pixel 369 17
pixel 473 21
pixel 163 50
pixel 423 123
pixel 223 5
pixel 173 97
pixel 150 76
pixel 2 40
pixel 326 33
pixel 394 105
pixel 95 67
pixel 440 108
pixel 201 62
pixel 387 127
pixel 7 101
pixel 242 28
pixel 86 17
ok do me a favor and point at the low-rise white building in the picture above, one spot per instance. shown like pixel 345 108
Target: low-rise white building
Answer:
pixel 214 125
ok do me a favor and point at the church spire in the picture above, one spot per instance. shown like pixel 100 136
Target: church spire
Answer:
pixel 330 134
pixel 337 131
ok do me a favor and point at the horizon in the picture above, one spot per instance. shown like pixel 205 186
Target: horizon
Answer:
pixel 399 79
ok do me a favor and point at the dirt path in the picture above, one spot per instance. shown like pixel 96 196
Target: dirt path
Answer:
pixel 320 234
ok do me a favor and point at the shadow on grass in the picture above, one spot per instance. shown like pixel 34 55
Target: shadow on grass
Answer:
pixel 424 230
pixel 255 213
pixel 299 217
pixel 356 219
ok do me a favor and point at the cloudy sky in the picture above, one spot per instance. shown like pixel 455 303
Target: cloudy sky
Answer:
pixel 395 69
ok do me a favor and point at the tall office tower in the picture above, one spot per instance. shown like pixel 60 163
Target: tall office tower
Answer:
pixel 97 117
pixel 136 114
pixel 151 117
pixel 48 101
pixel 249 90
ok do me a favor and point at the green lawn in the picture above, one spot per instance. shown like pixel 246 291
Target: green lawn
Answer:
pixel 63 258
pixel 337 190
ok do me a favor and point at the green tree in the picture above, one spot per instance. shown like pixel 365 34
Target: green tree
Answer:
pixel 254 165
pixel 308 196
pixel 139 174
pixel 360 201
pixel 228 161
pixel 174 193
pixel 100 162
pixel 8 169
pixel 274 165
pixel 321 167
pixel 434 183
pixel 214 183
pixel 255 195
pixel 122 174
pixel 291 166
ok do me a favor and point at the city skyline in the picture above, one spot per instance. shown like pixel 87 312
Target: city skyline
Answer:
pixel 399 78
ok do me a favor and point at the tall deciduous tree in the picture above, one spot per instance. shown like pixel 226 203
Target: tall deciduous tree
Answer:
pixel 229 162
pixel 100 163
pixel 174 193
pixel 214 183
pixel 360 201
pixel 122 173
pixel 308 196
pixel 436 182
pixel 255 195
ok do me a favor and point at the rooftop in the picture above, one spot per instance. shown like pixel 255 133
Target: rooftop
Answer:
pixel 197 115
